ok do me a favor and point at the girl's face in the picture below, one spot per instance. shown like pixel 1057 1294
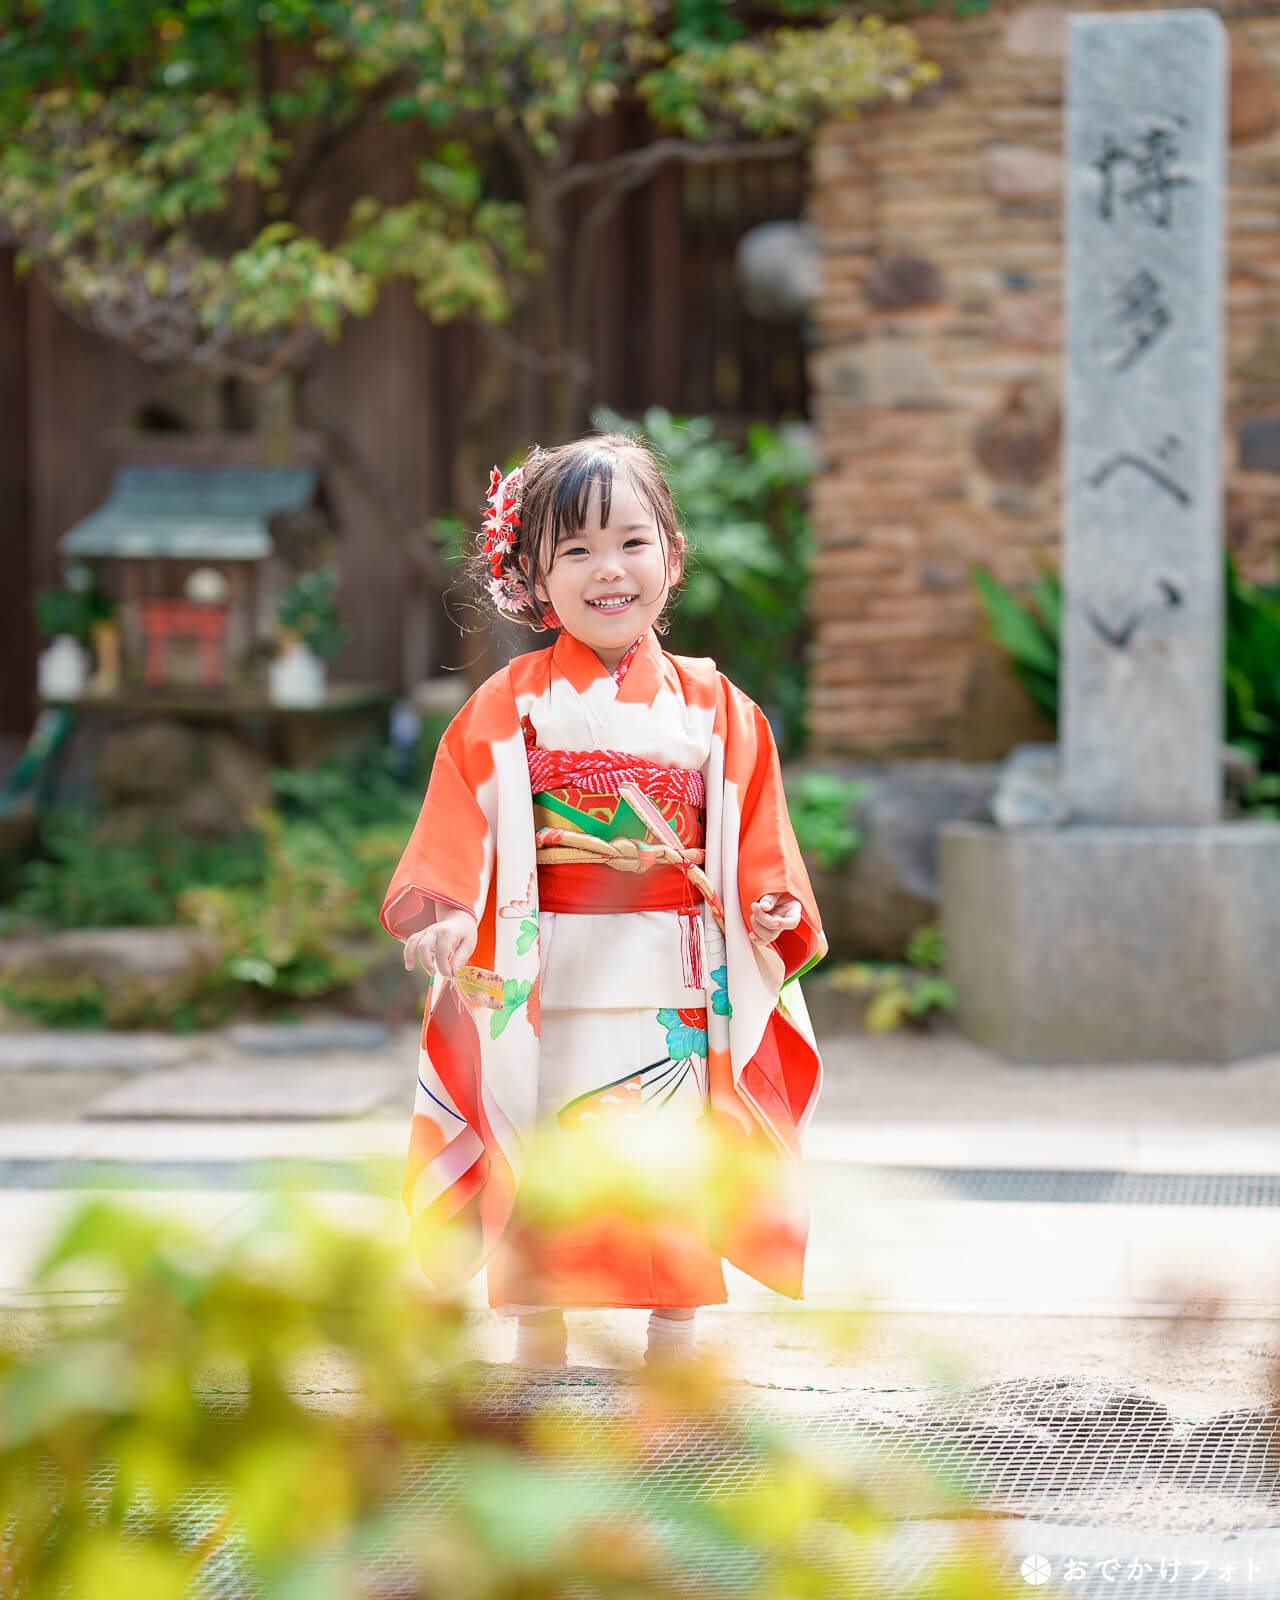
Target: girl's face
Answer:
pixel 626 560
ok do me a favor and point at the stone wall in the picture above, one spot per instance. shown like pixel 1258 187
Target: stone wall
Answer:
pixel 937 372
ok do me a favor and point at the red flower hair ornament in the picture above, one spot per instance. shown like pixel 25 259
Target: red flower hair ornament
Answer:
pixel 507 588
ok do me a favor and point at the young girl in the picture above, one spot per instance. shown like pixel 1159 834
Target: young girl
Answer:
pixel 605 842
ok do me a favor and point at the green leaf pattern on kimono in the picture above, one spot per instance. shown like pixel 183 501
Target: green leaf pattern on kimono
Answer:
pixel 528 935
pixel 515 992
pixel 720 995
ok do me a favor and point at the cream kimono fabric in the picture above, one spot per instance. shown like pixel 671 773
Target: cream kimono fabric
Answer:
pixel 473 846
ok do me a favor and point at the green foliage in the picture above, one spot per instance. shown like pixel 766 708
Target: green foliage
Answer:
pixel 293 905
pixel 819 805
pixel 745 514
pixel 309 922
pixel 720 21
pixel 266 1408
pixel 909 10
pixel 927 947
pixel 896 993
pixel 347 795
pixel 77 882
pixel 74 609
pixel 1252 683
pixel 77 1000
pixel 786 80
pixel 284 933
pixel 1031 633
pixel 307 606
pixel 1251 665
pixel 61 611
pixel 158 161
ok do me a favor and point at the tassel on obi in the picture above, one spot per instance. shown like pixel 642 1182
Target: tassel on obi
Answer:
pixel 693 962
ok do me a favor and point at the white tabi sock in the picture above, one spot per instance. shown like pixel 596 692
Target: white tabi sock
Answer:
pixel 671 1338
pixel 541 1344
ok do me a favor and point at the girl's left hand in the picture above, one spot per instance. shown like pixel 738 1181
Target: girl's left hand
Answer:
pixel 773 914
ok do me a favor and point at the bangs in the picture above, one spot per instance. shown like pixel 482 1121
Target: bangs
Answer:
pixel 569 502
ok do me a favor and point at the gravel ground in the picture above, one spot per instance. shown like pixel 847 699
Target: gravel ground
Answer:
pixel 1197 1366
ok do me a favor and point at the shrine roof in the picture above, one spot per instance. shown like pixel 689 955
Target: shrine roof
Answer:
pixel 205 513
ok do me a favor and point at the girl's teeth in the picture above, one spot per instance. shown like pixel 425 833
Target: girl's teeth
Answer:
pixel 613 606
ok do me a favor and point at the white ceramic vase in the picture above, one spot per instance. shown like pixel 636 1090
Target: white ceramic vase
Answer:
pixel 297 676
pixel 62 670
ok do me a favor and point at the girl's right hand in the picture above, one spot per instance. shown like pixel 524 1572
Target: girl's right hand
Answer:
pixel 443 946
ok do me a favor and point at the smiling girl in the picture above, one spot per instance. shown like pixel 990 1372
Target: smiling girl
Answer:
pixel 605 833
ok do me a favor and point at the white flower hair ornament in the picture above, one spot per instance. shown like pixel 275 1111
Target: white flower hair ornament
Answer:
pixel 508 590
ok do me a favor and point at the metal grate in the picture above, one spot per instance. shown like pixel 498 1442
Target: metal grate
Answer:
pixel 1094 1488
pixel 1087 1188
pixel 377 1175
pixel 1085 1472
pixel 384 1175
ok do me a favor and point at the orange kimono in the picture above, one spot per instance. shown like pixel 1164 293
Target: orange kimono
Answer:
pixel 599 1027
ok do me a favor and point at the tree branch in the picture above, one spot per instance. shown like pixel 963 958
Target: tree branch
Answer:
pixel 516 350
pixel 634 166
pixel 329 136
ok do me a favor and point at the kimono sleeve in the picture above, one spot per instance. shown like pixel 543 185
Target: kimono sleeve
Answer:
pixel 769 858
pixel 450 852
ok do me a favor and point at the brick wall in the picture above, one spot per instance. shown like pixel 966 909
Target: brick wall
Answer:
pixel 937 373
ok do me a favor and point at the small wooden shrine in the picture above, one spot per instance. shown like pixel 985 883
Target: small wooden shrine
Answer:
pixel 182 549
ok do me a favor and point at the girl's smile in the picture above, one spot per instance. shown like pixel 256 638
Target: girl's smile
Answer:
pixel 608 582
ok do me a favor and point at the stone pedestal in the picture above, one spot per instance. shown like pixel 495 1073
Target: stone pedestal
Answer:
pixel 1115 943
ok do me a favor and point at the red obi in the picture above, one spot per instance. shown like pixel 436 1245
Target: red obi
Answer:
pixel 590 886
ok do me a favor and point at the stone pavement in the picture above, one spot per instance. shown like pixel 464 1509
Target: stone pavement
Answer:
pixel 969 1216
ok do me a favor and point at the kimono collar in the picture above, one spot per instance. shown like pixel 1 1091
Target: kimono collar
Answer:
pixel 582 666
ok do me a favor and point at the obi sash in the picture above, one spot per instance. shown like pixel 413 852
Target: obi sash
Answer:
pixel 579 790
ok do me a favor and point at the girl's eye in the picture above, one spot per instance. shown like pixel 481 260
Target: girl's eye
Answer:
pixel 578 549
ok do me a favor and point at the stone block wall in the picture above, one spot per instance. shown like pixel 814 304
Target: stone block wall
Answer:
pixel 937 372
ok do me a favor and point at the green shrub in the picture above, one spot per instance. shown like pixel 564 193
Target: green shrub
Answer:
pixel 745 514
pixel 78 883
pixel 73 609
pixel 1030 634
pixel 348 793
pixel 293 905
pixel 819 804
pixel 73 1000
pixel 307 606
pixel 896 992
pixel 927 947
pixel 1252 686
pixel 286 932
pixel 80 1001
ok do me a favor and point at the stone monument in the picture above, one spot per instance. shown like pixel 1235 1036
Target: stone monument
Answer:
pixel 1146 927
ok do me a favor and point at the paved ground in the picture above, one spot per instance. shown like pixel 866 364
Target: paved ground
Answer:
pixel 919 1270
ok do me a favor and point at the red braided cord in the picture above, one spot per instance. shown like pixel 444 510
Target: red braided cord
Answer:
pixel 602 771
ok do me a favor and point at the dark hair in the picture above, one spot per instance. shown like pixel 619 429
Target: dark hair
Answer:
pixel 556 498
